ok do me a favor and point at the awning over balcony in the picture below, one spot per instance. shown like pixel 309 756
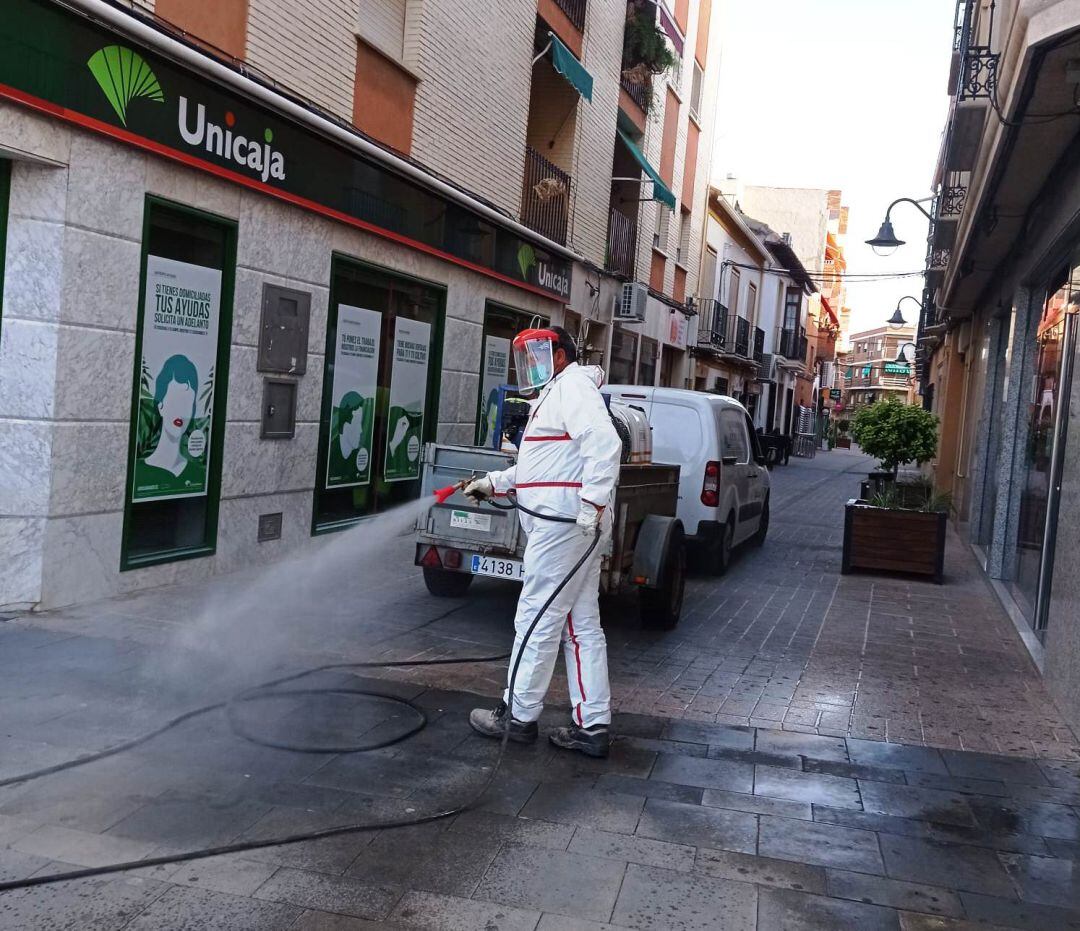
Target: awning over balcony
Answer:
pixel 660 191
pixel 570 68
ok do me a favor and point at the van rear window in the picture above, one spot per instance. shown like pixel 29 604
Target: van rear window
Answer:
pixel 678 434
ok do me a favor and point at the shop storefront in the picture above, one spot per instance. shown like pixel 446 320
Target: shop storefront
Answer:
pixel 230 323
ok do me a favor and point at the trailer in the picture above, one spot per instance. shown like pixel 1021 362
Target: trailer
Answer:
pixel 459 539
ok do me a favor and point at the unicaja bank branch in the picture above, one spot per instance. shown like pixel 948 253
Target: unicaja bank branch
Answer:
pixel 229 322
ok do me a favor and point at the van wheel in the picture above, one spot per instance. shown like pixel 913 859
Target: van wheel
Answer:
pixel 720 551
pixel 443 584
pixel 758 539
pixel 661 607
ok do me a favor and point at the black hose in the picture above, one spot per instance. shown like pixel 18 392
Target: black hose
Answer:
pixel 265 691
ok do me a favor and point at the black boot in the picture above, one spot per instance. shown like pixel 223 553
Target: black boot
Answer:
pixel 592 741
pixel 493 723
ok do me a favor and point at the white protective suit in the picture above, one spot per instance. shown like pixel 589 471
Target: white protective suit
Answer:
pixel 569 453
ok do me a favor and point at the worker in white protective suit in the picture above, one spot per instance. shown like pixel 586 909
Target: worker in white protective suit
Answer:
pixel 567 465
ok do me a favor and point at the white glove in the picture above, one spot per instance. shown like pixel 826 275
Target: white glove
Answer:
pixel 479 489
pixel 588 519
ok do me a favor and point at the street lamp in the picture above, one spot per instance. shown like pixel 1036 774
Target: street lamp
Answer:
pixel 885 242
pixel 905 354
pixel 897 319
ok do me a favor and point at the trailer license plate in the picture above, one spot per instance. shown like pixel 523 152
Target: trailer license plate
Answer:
pixel 500 568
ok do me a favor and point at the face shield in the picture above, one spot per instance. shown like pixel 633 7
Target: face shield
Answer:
pixel 534 358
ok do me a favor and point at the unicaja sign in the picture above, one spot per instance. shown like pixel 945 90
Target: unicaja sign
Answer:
pixel 253 154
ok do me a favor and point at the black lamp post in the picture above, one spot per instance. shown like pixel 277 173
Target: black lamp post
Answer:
pixel 885 242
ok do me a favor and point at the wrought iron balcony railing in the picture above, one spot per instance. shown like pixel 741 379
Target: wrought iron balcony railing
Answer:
pixel 545 197
pixel 759 344
pixel 792 345
pixel 712 328
pixel 622 244
pixel 575 12
pixel 638 92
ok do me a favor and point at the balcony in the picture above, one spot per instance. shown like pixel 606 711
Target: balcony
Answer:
pixel 759 345
pixel 793 345
pixel 636 91
pixel 622 244
pixel 712 330
pixel 575 12
pixel 737 337
pixel 545 197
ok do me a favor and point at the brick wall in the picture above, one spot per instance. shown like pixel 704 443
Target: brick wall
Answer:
pixel 309 46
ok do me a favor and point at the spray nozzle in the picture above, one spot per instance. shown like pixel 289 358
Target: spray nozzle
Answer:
pixel 441 494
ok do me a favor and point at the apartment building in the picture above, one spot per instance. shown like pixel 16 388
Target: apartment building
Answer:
pixel 751 340
pixel 997 336
pixel 874 369
pixel 255 254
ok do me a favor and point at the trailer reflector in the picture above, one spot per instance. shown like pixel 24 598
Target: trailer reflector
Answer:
pixel 430 559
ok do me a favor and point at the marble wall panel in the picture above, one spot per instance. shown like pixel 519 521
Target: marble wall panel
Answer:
pixel 192 188
pixel 246 387
pixel 238 529
pixel 28 354
pixel 100 280
pixel 89 467
pixel 253 466
pixel 284 240
pixel 25 452
pixel 106 186
pixel 38 191
pixel 33 134
pixel 33 269
pixel 98 367
pixel 20 569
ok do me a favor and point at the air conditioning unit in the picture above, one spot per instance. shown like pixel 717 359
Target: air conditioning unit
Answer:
pixel 768 367
pixel 632 306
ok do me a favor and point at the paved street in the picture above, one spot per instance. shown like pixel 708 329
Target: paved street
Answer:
pixel 805 751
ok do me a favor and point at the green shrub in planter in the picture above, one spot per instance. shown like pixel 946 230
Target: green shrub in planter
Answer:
pixel 896 433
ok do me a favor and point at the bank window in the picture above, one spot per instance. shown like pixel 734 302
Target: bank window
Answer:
pixel 501 325
pixel 180 380
pixel 380 391
pixel 623 356
pixel 647 362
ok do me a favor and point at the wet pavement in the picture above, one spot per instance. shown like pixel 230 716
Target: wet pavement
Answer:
pixel 804 751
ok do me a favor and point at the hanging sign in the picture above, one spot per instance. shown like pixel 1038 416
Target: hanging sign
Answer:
pixel 356 380
pixel 496 372
pixel 408 397
pixel 677 329
pixel 897 368
pixel 181 313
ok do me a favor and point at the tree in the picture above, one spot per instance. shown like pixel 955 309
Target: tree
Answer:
pixel 896 433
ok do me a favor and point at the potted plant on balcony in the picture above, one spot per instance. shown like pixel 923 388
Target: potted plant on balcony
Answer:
pixel 645 50
pixel 901 528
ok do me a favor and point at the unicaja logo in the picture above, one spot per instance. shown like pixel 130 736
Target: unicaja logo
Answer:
pixel 123 76
pixel 257 156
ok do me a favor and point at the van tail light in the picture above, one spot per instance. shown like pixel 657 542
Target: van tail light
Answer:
pixel 452 559
pixel 430 559
pixel 710 488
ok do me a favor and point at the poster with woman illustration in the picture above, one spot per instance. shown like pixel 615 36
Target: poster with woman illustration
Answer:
pixel 174 414
pixel 356 380
pixel 408 397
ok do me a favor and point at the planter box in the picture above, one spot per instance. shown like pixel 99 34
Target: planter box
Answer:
pixel 843 442
pixel 893 540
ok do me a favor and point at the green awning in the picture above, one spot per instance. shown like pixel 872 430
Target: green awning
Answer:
pixel 660 191
pixel 570 68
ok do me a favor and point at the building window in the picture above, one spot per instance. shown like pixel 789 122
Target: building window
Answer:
pixel 792 306
pixel 380 391
pixel 624 344
pixel 663 227
pixel 734 286
pixel 182 336
pixel 647 362
pixel 751 302
pixel 501 325
pixel 696 91
pixel 682 254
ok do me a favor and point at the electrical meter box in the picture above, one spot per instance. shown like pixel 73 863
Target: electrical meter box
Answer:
pixel 278 409
pixel 283 330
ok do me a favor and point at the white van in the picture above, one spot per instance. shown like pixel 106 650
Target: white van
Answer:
pixel 723 485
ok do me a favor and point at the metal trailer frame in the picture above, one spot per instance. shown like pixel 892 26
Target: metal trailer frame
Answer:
pixel 645 551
